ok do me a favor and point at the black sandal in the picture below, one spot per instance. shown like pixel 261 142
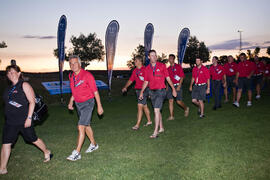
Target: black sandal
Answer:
pixel 47 159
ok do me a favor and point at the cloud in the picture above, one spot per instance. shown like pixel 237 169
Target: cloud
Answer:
pixel 38 37
pixel 229 45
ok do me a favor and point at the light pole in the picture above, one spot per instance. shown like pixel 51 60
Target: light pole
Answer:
pixel 240 32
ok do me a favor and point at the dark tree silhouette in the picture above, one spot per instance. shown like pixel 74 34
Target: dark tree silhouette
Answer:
pixel 3 44
pixel 194 49
pixel 88 48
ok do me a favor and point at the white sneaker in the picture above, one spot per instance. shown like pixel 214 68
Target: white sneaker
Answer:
pixel 75 155
pixel 258 96
pixel 92 148
pixel 249 104
pixel 236 104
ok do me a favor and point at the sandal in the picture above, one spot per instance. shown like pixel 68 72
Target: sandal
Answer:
pixel 161 131
pixel 170 118
pixel 148 124
pixel 135 128
pixel 48 158
pixel 3 171
pixel 154 136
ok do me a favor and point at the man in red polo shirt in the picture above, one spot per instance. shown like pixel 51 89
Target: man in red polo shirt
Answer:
pixel 201 80
pixel 266 74
pixel 138 76
pixel 218 77
pixel 155 75
pixel 258 75
pixel 244 73
pixel 177 75
pixel 84 93
pixel 230 71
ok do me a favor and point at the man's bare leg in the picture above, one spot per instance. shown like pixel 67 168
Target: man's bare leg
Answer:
pixel 147 113
pixel 81 136
pixel 5 154
pixel 90 134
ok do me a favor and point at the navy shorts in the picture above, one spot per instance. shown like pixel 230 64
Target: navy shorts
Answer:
pixel 157 97
pixel 244 82
pixel 229 81
pixel 257 79
pixel 179 96
pixel 199 92
pixel 145 96
pixel 11 133
pixel 85 110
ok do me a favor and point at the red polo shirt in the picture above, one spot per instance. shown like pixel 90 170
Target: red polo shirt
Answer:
pixel 267 70
pixel 217 72
pixel 245 68
pixel 200 75
pixel 176 73
pixel 230 69
pixel 156 75
pixel 83 86
pixel 260 68
pixel 138 76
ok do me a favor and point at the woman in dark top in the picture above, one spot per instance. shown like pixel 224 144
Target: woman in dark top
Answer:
pixel 19 101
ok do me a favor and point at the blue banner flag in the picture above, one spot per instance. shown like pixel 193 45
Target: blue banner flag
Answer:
pixel 182 44
pixel 148 39
pixel 61 33
pixel 110 46
pixel 54 86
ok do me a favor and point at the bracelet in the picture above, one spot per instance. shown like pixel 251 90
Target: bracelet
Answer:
pixel 29 117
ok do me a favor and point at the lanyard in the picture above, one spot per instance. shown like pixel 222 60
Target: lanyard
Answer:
pixel 216 68
pixel 74 80
pixel 173 69
pixel 10 92
pixel 154 69
pixel 138 71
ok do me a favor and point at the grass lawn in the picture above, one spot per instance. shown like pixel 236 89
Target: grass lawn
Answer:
pixel 229 143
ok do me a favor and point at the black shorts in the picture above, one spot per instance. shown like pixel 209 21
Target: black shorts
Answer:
pixel 257 79
pixel 157 97
pixel 85 110
pixel 229 81
pixel 179 96
pixel 199 92
pixel 145 96
pixel 11 133
pixel 244 82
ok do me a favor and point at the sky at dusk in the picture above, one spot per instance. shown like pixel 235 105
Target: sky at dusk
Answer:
pixel 29 27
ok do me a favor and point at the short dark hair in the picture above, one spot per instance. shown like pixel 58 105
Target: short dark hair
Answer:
pixel 230 56
pixel 198 57
pixel 152 50
pixel 172 55
pixel 215 57
pixel 242 54
pixel 139 57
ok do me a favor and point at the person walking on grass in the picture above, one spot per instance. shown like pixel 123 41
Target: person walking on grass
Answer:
pixel 177 76
pixel 258 76
pixel 19 99
pixel 266 74
pixel 199 86
pixel 230 71
pixel 84 93
pixel 155 75
pixel 218 78
pixel 138 76
pixel 245 70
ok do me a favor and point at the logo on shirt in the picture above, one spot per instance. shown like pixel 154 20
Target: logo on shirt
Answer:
pixel 158 70
pixel 79 83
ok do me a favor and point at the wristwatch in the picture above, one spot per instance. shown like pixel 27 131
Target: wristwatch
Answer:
pixel 29 117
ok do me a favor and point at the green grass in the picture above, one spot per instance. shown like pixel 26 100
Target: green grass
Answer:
pixel 228 144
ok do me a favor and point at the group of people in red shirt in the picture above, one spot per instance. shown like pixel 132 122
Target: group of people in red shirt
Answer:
pixel 150 82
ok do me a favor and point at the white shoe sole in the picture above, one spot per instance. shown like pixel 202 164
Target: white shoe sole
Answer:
pixel 92 150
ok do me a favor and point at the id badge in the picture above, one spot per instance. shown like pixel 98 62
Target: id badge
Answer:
pixel 177 78
pixel 141 78
pixel 231 70
pixel 15 104
pixel 219 71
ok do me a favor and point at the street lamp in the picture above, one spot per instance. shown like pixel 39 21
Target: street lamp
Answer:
pixel 240 32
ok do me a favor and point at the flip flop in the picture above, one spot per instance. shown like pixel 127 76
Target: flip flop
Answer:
pixel 148 124
pixel 135 128
pixel 154 136
pixel 47 159
pixel 161 131
pixel 3 171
